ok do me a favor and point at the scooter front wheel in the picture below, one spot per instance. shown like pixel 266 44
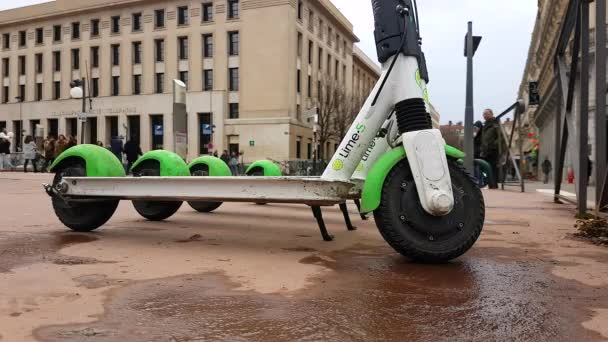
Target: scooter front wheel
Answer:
pixel 420 236
pixel 81 216
pixel 203 207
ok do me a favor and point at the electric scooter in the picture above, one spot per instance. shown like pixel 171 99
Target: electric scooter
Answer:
pixel 424 204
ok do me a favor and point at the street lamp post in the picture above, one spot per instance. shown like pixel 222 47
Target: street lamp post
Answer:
pixel 471 45
pixel 21 130
pixel 78 91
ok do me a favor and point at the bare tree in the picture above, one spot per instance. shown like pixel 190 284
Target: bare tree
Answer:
pixel 347 111
pixel 329 97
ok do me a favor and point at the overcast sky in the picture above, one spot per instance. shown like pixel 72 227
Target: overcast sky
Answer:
pixel 506 27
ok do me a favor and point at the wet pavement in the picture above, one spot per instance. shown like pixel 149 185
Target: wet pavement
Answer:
pixel 527 279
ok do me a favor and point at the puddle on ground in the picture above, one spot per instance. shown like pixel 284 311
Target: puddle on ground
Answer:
pixel 23 249
pixel 372 294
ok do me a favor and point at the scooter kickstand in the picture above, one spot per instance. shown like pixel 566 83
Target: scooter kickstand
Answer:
pixel 363 216
pixel 316 210
pixel 349 224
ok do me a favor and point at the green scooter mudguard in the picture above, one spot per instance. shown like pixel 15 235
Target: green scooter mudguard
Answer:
pixel 372 189
pixel 216 166
pixel 171 164
pixel 99 162
pixel 270 169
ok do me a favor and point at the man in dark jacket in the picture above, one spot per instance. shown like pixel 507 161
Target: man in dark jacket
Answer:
pixel 116 146
pixel 133 151
pixel 490 144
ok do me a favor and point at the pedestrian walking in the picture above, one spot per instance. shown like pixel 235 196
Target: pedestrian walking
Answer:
pixel 132 150
pixel 72 141
pixel 116 146
pixel 490 145
pixel 547 168
pixel 5 150
pixel 61 145
pixel 29 153
pixel 225 157
pixel 49 152
pixel 234 164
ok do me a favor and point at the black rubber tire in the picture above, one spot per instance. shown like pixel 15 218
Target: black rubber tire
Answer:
pixel 414 233
pixel 257 172
pixel 81 217
pixel 203 207
pixel 154 210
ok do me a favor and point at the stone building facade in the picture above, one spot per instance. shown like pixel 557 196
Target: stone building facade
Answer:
pixel 251 67
pixel 541 120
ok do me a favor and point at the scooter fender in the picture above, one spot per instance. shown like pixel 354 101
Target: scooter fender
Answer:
pixel 99 162
pixel 171 164
pixel 216 166
pixel 372 189
pixel 270 168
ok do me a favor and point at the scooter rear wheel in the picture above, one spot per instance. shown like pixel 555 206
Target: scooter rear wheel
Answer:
pixel 81 217
pixel 420 236
pixel 203 207
pixel 154 210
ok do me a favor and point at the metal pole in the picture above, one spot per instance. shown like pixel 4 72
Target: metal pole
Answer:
pixel 600 100
pixel 520 129
pixel 583 140
pixel 83 124
pixel 469 111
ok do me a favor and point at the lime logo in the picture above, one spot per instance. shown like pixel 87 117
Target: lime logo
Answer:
pixel 338 165
pixel 360 167
pixel 418 78
pixel 426 95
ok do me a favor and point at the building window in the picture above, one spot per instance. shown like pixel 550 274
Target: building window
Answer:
pixel 208 46
pixel 182 15
pixel 115 54
pixel 75 59
pixel 233 9
pixel 309 151
pixel 116 24
pixel 183 47
pixel 183 76
pixel 39 35
pixel 310 52
pixel 320 58
pixel 6 41
pixel 95 87
pixel 39 64
pixel 159 18
pixel 299 148
pixel 299 81
pixel 57 33
pixel 95 57
pixel 160 83
pixel 233 74
pixel 299 112
pixel 115 85
pixel 208 12
pixel 94 27
pixel 233 43
pixel 38 91
pixel 300 9
pixel 21 93
pixel 56 60
pixel 22 38
pixel 311 19
pixel 56 90
pixel 136 52
pixel 22 65
pixel 208 80
pixel 309 86
pixel 233 111
pixel 205 133
pixel 5 67
pixel 5 95
pixel 136 24
pixel 76 30
pixel 159 47
pixel 136 84
pixel 336 68
pixel 299 45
